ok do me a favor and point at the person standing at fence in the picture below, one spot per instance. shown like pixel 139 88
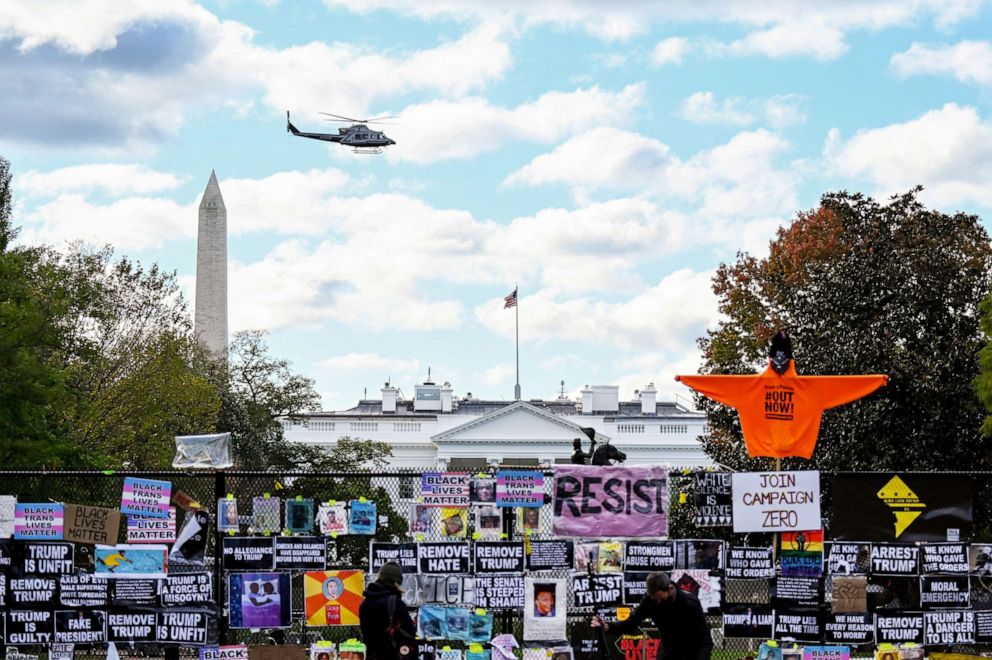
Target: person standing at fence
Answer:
pixel 384 618
pixel 685 634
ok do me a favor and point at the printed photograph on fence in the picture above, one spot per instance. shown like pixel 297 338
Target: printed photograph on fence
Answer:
pixel 323 651
pixel 191 544
pixel 259 600
pixel 227 515
pixel 697 554
pixel 332 518
pixel 529 520
pixel 8 505
pixel 454 523
pixel 457 622
pixel 634 505
pixel 586 556
pixel 299 515
pixel 351 650
pixel 265 516
pixel 980 559
pixel 610 557
pixel 480 626
pixel 701 584
pixel 849 593
pixel 432 622
pixel 544 608
pixel 421 519
pixel 363 519
pixel 890 592
pixel 130 561
pixel 332 598
pixel 488 521
pixel 482 490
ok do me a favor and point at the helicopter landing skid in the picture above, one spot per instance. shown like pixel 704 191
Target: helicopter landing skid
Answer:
pixel 367 150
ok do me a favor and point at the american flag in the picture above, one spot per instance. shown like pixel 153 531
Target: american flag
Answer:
pixel 510 300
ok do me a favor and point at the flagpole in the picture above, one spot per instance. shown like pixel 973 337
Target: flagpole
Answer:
pixel 516 389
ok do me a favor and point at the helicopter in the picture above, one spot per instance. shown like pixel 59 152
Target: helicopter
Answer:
pixel 360 137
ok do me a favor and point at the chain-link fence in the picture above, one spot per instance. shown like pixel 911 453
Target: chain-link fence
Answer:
pixel 395 493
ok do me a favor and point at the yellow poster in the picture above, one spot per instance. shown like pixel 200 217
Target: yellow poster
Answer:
pixel 333 597
pixel 454 523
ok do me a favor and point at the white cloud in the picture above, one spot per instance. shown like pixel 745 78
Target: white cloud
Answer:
pixel 739 178
pixel 703 108
pixel 363 362
pixel 807 37
pixel 670 51
pixel 672 313
pixel 473 125
pixel 627 18
pixel 113 179
pixel 499 374
pixel 948 151
pixel 967 61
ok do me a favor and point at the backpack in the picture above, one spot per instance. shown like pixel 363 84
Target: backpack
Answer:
pixel 403 643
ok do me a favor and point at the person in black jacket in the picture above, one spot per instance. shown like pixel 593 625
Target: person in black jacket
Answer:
pixel 373 614
pixel 685 634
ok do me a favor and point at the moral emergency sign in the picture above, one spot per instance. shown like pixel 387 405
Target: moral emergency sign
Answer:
pixel 776 501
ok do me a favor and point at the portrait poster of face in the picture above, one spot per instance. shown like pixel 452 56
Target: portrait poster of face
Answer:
pixel 529 520
pixel 260 600
pixel 610 557
pixel 299 515
pixel 332 518
pixel 363 518
pixel 227 515
pixel 586 556
pixel 482 490
pixel 544 608
pixel 351 650
pixel 323 651
pixel 454 523
pixel 488 521
pixel 265 515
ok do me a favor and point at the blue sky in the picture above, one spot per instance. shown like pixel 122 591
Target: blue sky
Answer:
pixel 605 156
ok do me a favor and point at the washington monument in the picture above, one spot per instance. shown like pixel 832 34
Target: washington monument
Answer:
pixel 210 317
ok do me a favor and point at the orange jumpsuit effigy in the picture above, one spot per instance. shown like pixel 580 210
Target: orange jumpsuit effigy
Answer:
pixel 780 414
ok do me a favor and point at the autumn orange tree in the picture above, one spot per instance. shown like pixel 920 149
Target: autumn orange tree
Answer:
pixel 865 287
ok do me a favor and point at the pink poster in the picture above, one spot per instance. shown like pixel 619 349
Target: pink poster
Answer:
pixel 598 501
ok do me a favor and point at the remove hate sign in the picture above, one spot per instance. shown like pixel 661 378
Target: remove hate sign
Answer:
pixel 776 501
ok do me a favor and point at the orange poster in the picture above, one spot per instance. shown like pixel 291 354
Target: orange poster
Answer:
pixel 333 597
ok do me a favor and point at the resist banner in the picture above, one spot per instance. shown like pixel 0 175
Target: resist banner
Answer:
pixel 595 501
pixel 776 501
pixel 902 507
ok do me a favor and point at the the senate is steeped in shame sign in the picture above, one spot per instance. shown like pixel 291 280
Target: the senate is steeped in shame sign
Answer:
pixel 596 501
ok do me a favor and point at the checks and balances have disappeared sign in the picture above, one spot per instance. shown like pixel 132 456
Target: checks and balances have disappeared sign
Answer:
pixel 776 501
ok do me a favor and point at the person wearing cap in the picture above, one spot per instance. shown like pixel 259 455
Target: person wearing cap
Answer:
pixel 382 609
pixel 685 634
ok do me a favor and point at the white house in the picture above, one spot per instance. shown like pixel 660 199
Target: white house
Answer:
pixel 435 428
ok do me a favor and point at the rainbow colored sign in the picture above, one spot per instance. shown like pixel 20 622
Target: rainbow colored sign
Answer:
pixel 38 521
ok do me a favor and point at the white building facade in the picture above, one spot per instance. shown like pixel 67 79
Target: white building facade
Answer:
pixel 436 429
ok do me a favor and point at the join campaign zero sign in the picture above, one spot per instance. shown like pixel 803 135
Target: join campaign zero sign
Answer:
pixel 776 501
pixel 599 501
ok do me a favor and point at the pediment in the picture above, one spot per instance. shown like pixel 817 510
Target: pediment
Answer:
pixel 517 422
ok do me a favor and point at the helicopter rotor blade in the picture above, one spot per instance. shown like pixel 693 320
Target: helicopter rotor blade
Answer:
pixel 373 120
pixel 339 117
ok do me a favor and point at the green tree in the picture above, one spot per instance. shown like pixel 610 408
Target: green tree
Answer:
pixel 32 383
pixel 865 287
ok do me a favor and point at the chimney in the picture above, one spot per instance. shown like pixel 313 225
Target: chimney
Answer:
pixel 649 400
pixel 586 400
pixel 446 397
pixel 389 396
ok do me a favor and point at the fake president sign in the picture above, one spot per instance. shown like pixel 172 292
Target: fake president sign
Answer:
pixel 776 501
pixel 602 501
